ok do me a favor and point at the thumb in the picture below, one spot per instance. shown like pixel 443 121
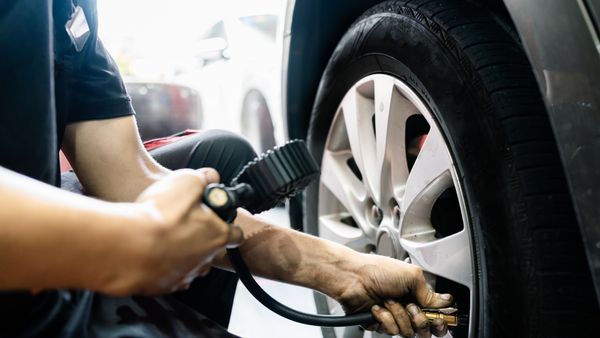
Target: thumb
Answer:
pixel 429 298
pixel 211 175
pixel 176 193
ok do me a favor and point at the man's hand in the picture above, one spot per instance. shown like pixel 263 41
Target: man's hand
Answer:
pixel 382 282
pixel 180 239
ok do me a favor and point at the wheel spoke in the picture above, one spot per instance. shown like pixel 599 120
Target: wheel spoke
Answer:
pixel 357 111
pixel 449 257
pixel 332 228
pixel 353 332
pixel 380 335
pixel 339 179
pixel 429 177
pixel 391 112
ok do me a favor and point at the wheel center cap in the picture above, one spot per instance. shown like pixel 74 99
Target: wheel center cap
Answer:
pixel 388 243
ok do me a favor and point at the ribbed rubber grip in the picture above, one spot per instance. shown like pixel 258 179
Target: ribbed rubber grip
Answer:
pixel 277 174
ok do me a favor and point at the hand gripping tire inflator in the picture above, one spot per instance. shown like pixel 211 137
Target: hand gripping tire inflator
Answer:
pixel 262 184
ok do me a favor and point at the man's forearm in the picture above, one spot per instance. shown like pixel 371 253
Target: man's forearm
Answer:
pixel 109 158
pixel 53 239
pixel 293 257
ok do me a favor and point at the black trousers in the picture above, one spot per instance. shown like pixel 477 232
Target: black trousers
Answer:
pixel 212 296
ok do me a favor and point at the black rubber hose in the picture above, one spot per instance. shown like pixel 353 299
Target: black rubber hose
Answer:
pixel 305 318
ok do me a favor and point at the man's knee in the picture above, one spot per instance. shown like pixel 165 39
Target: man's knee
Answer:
pixel 225 151
pixel 240 148
pixel 222 150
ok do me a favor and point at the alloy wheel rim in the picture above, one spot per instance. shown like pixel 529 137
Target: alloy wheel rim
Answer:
pixel 380 189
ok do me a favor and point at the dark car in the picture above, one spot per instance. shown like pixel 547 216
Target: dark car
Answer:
pixel 462 136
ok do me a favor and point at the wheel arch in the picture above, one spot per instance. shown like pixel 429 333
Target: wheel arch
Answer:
pixel 315 33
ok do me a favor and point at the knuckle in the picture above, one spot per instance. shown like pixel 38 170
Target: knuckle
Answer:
pixel 438 323
pixel 200 215
pixel 412 309
pixel 392 306
pixel 378 313
pixel 191 175
pixel 402 315
pixel 420 322
pixel 407 333
pixel 211 171
pixel 417 273
pixel 386 316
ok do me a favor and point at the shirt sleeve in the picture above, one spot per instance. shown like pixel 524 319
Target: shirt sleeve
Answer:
pixel 97 90
pixel 92 85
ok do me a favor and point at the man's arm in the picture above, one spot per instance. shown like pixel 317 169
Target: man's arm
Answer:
pixel 109 158
pixel 52 239
pixel 358 281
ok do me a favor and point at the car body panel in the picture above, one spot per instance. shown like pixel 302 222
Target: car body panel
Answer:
pixel 561 40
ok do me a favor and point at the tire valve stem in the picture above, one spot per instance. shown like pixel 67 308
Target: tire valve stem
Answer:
pixel 449 315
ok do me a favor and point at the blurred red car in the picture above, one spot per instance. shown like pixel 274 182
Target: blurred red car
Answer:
pixel 164 109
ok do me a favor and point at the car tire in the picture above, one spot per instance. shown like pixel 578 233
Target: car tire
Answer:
pixel 532 278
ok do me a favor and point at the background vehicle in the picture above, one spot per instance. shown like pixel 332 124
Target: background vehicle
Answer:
pixel 164 109
pixel 239 81
pixel 461 136
pixel 228 52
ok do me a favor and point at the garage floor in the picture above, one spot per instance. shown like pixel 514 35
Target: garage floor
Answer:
pixel 250 319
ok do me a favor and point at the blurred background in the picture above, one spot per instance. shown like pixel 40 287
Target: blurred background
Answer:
pixel 199 64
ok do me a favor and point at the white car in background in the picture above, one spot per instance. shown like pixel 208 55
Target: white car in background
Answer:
pixel 239 81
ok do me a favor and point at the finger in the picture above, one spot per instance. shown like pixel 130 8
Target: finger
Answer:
pixel 176 193
pixel 419 321
pixel 439 328
pixel 401 317
pixel 210 228
pixel 426 296
pixel 383 316
pixel 211 175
